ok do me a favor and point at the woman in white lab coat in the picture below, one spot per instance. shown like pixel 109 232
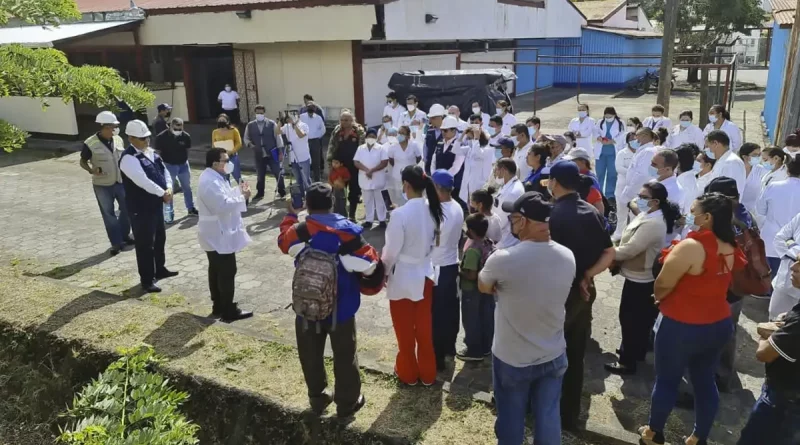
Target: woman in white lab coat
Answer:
pixel 787 248
pixel 584 128
pixel 778 204
pixel 478 162
pixel 751 156
pixel 610 139
pixel 774 161
pixel 622 163
pixel 706 165
pixel 403 153
pixel 509 120
pixel 686 132
pixel 720 119
pixel 220 230
pixel 410 239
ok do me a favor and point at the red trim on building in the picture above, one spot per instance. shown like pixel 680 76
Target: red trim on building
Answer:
pixel 358 80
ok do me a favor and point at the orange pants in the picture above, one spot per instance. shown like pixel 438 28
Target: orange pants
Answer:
pixel 414 330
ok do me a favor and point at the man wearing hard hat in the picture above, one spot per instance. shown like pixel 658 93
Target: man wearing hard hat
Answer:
pixel 448 155
pixel 435 116
pixel 100 157
pixel 148 186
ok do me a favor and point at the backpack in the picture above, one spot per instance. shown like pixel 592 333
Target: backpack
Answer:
pixel 487 248
pixel 755 278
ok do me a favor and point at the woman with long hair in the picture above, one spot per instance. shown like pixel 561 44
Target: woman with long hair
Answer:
pixel 720 119
pixel 226 131
pixel 584 128
pixel 703 168
pixel 610 139
pixel 755 171
pixel 774 160
pixel 638 248
pixel 691 291
pixel 537 161
pixel 412 234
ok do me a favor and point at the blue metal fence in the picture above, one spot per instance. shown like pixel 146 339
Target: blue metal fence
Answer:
pixel 777 64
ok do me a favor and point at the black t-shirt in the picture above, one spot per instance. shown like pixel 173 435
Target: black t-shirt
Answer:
pixel 174 149
pixel 784 373
pixel 86 154
pixel 577 225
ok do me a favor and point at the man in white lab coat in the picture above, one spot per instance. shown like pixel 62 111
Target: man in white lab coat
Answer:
pixel 639 170
pixel 221 232
pixel 729 164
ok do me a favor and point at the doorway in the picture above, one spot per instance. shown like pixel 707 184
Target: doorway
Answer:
pixel 212 68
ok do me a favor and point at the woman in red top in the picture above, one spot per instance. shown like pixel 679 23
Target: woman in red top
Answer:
pixel 696 324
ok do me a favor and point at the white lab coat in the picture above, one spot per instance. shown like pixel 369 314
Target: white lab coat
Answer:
pixel 586 129
pixel 779 203
pixel 687 182
pixel 406 255
pixel 521 159
pixel 509 120
pixel 784 295
pixel 689 135
pixel 731 165
pixel 371 158
pixel 731 130
pixel 396 113
pixel 510 192
pixel 616 134
pixel 638 174
pixel 622 163
pixel 654 124
pixel 753 188
pixel 477 167
pixel 774 176
pixel 402 159
pixel 220 228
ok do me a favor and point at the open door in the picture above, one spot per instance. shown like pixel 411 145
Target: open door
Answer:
pixel 244 64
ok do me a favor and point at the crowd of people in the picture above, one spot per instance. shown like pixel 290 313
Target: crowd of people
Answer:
pixel 467 207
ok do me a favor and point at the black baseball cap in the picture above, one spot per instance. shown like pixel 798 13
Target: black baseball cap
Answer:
pixel 531 205
pixel 319 196
pixel 723 185
pixel 566 173
pixel 164 106
pixel 507 142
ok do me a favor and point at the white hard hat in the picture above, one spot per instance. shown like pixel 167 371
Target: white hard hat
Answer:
pixel 106 118
pixel 436 110
pixel 137 129
pixel 449 122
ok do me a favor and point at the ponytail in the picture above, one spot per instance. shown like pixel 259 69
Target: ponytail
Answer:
pixel 670 210
pixel 434 204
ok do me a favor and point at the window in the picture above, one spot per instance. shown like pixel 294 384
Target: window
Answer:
pixel 632 13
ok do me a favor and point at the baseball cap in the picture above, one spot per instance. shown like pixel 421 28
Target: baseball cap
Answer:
pixel 507 142
pixel 319 196
pixel 164 106
pixel 723 185
pixel 371 131
pixel 137 129
pixel 443 178
pixel 566 173
pixel 578 153
pixel 449 122
pixel 556 138
pixel 531 205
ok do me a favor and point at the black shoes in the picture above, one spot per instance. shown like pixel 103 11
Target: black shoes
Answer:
pixel 237 315
pixel 193 212
pixel 151 289
pixel 129 241
pixel 367 225
pixel 160 275
pixel 619 369
pixel 321 403
pixel 115 250
pixel 351 411
pixel 382 224
pixel 465 356
pixel 258 196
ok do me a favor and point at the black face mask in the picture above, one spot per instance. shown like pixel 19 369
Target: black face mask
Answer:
pixel 222 125
pixel 168 114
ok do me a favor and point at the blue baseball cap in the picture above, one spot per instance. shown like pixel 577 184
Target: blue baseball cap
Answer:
pixel 565 172
pixel 443 179
pixel 507 142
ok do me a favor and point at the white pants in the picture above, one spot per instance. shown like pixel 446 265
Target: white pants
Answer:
pixel 396 195
pixel 373 202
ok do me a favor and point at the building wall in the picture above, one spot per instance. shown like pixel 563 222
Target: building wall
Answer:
pixel 377 73
pixel 175 97
pixel 286 71
pixel 527 75
pixel 27 113
pixel 620 20
pixel 281 25
pixel 777 65
pixel 479 19
pixel 124 38
pixel 493 56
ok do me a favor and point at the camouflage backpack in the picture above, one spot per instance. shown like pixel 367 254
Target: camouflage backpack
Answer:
pixel 314 284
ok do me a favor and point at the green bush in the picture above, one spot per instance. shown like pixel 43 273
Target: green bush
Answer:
pixel 129 405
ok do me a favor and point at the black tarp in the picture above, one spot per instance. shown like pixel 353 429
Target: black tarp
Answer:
pixel 456 87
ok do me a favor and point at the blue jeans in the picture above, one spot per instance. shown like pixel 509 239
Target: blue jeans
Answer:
pixel 607 170
pixel 184 175
pixel 679 346
pixel 775 420
pixel 237 169
pixel 264 163
pixel 516 388
pixel 302 174
pixel 118 228
pixel 477 316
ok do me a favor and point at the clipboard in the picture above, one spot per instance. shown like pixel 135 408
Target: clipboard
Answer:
pixel 227 145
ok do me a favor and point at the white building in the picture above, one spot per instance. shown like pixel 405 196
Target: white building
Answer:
pixel 620 14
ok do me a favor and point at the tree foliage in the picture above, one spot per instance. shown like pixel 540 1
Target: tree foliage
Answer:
pixel 45 72
pixel 129 405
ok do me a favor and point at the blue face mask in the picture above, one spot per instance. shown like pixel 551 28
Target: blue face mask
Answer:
pixel 635 144
pixel 686 124
pixel 387 125
pixel 531 131
pixel 641 203
pixel 401 138
pixel 491 131
pixel 696 167
pixel 689 219
pixel 709 153
pixel 652 171
pixel 754 161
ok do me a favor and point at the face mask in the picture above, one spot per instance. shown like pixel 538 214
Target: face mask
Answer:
pixel 492 131
pixel 476 110
pixel 550 187
pixel 261 117
pixel 685 124
pixel 610 120
pixel 531 131
pixel 498 111
pixel 411 108
pixel 641 203
pixel 689 220
pixel 116 131
pixel 696 167
pixel 222 124
pixel 635 144
pixel 414 129
pixel 515 235
pixel 652 171
pixel 392 139
pixel 453 115
pixel 768 165
pixel 582 114
pixel 177 132
pixel 499 181
pixel 514 138
pixel 709 153
pixel 387 125
pixel 228 89
pixel 405 197
pixel 630 129
pixel 401 138
pixel 228 168
pixel 755 161
pixel 310 112
pixel 656 118
pixel 370 141
pixel 789 151
pixel 712 118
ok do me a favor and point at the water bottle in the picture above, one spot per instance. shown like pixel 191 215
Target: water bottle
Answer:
pixel 169 213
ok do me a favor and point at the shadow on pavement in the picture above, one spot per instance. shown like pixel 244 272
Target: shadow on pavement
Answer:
pixel 62 272
pixel 29 154
pixel 172 339
pixel 86 303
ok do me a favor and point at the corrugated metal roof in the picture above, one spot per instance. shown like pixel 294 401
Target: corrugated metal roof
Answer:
pixel 784 18
pixel 40 36
pixel 150 5
pixel 598 9
pixel 783 5
pixel 626 32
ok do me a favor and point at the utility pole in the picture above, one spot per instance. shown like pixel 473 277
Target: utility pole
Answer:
pixel 667 52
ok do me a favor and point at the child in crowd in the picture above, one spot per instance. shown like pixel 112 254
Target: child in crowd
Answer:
pixel 477 309
pixel 481 201
pixel 339 177
pixel 570 141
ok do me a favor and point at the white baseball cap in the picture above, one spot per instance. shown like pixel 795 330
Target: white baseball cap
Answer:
pixel 578 153
pixel 449 122
pixel 437 110
pixel 137 129
pixel 106 118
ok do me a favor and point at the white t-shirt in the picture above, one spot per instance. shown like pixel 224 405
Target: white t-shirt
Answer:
pixel 402 159
pixel 228 99
pixel 371 158
pixel 446 254
pixel 396 113
pixel 495 231
pixel 300 151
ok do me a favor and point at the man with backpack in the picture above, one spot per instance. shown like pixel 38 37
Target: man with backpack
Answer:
pixel 477 309
pixel 333 267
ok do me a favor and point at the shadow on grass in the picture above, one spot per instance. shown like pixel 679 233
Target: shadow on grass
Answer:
pixel 172 339
pixel 86 303
pixel 411 411
pixel 62 272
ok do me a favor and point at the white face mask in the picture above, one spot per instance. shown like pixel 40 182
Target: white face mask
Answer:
pixel 411 108
pixel 228 89
pixel 499 181
pixel 260 117
pixel 610 120
pixel 370 141
pixel 712 118
pixel 116 131
pixel 177 132
pixel 630 129
pixel 392 139
pixel 228 168
pixel 582 114
pixel 498 111
pixel 476 110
